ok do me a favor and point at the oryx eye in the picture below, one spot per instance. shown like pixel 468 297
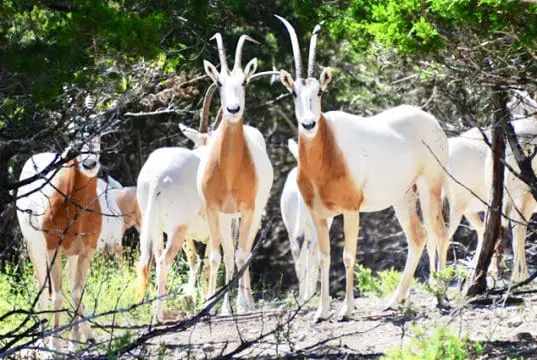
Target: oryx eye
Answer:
pixel 218 83
pixel 244 83
pixel 319 93
pixel 294 93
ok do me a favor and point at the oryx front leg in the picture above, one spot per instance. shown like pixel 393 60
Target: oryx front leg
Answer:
pixel 248 229
pixel 228 245
pixel 324 253
pixel 77 287
pixel 351 227
pixel 164 261
pixel 406 213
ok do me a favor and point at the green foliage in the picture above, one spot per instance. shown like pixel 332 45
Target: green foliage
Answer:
pixel 109 287
pixel 440 345
pixel 17 292
pixel 46 47
pixel 439 281
pixel 381 285
pixel 418 27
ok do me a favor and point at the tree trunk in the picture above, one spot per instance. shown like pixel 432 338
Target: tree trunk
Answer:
pixel 478 280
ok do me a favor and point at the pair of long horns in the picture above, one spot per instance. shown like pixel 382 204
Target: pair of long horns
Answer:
pixel 296 47
pixel 207 99
pixel 238 51
pixel 204 123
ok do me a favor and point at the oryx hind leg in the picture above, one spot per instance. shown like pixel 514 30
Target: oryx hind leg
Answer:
pixel 164 261
pixel 193 261
pixel 407 214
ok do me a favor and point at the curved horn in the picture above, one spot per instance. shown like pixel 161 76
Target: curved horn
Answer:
pixel 238 51
pixel 204 123
pixel 294 43
pixel 264 73
pixel 313 46
pixel 218 119
pixel 221 51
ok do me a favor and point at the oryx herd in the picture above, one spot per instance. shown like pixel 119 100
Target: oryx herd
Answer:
pixel 217 193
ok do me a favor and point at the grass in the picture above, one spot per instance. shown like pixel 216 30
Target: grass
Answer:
pixel 109 286
pixel 441 344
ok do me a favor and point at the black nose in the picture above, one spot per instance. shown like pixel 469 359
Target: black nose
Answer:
pixel 308 126
pixel 89 164
pixel 233 110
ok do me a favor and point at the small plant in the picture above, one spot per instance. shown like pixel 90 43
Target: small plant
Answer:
pixel 440 280
pixel 381 285
pixel 441 344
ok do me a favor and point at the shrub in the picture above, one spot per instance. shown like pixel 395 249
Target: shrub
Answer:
pixel 440 345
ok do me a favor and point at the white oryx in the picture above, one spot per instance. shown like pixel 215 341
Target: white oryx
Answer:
pixel 348 164
pixel 169 203
pixel 59 214
pixel 518 203
pixel 120 213
pixel 235 176
pixel 467 193
pixel 301 232
pixel 465 189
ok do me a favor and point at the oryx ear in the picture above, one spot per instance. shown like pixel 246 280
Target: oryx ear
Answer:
pixel 250 68
pixel 325 78
pixel 192 134
pixel 287 80
pixel 211 70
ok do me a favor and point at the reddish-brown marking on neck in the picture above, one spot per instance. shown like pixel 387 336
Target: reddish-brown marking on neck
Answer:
pixel 321 167
pixel 73 218
pixel 230 180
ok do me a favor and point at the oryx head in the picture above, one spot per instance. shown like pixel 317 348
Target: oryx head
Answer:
pixel 231 83
pixel 306 92
pixel 88 159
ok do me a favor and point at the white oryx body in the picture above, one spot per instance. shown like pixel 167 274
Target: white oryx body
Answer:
pixel 301 232
pixel 467 154
pixel 518 203
pixel 348 164
pixel 169 203
pixel 61 214
pixel 235 176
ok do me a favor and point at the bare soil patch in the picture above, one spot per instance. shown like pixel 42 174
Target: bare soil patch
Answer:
pixel 269 333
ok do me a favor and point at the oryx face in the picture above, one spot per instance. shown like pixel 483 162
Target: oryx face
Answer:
pixel 307 96
pixel 232 85
pixel 88 159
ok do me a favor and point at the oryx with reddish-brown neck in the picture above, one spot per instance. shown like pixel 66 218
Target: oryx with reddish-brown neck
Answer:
pixel 61 213
pixel 235 176
pixel 348 164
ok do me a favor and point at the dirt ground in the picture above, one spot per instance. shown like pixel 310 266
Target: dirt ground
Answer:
pixel 505 331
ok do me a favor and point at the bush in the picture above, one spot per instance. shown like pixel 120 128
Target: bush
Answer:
pixel 441 345
pixel 381 285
